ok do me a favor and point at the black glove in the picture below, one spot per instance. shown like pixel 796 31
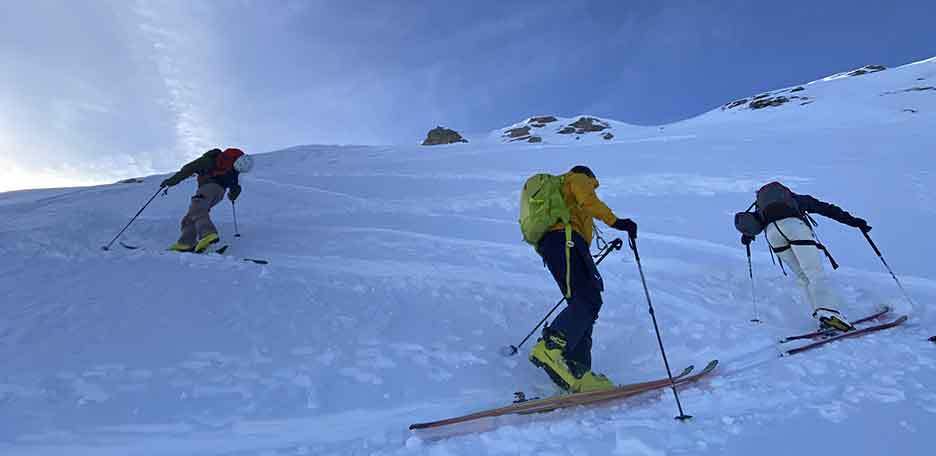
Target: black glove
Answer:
pixel 746 239
pixel 233 193
pixel 626 225
pixel 862 225
pixel 165 184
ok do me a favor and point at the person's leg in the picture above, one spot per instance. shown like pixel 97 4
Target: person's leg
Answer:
pixel 777 238
pixel 823 296
pixel 208 196
pixel 563 337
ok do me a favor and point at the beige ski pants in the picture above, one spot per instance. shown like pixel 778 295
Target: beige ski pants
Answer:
pixel 197 221
pixel 805 261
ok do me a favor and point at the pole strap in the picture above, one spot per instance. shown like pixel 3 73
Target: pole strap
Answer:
pixel 568 254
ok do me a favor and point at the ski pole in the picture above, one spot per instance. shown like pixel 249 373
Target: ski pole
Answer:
pixel 891 271
pixel 234 211
pixel 682 416
pixel 750 270
pixel 511 350
pixel 109 244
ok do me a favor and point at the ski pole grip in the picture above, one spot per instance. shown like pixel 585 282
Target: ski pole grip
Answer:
pixel 873 246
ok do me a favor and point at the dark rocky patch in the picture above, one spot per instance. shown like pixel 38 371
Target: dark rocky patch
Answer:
pixel 518 132
pixel 735 104
pixel 797 89
pixel 911 89
pixel 608 136
pixel 132 180
pixel 566 130
pixel 542 119
pixel 588 125
pixel 768 102
pixel 910 110
pixel 867 69
pixel 535 139
pixel 441 135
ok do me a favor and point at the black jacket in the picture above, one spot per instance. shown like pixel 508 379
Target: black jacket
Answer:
pixel 810 205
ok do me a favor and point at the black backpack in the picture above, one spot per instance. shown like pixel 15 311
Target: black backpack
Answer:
pixel 775 202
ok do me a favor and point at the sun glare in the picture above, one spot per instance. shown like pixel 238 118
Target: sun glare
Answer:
pixel 13 177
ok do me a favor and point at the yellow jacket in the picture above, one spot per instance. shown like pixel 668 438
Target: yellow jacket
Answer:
pixel 583 203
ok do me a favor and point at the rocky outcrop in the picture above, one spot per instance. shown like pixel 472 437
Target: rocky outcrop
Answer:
pixel 441 135
pixel 766 102
pixel 867 69
pixel 770 99
pixel 588 125
pixel 540 129
pixel 132 180
pixel 521 134
pixel 541 121
pixel 518 132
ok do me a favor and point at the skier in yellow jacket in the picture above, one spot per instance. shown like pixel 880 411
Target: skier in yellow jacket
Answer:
pixel 564 351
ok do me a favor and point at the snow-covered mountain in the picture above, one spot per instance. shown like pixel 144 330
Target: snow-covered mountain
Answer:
pixel 396 273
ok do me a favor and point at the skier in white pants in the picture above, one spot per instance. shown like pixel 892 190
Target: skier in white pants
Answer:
pixel 784 216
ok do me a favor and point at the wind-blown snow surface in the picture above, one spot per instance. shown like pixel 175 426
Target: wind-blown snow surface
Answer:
pixel 397 272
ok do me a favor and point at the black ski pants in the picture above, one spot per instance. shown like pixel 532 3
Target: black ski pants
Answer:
pixel 577 319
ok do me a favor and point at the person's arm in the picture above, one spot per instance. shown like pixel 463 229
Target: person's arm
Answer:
pixel 201 164
pixel 814 206
pixel 584 191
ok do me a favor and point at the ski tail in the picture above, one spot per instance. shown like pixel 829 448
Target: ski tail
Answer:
pixel 571 400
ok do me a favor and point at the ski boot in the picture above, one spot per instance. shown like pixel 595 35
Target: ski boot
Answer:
pixel 592 381
pixel 832 319
pixel 180 247
pixel 206 241
pixel 547 354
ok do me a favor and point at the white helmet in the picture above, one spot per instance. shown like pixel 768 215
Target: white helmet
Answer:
pixel 243 164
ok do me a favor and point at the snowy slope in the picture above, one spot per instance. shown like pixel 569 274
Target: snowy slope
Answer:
pixel 397 272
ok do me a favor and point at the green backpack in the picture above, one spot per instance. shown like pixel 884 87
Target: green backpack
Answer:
pixel 542 205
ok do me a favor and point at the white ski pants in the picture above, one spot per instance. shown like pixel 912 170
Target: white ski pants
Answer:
pixel 804 261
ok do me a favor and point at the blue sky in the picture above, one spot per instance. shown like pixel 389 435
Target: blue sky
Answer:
pixel 92 91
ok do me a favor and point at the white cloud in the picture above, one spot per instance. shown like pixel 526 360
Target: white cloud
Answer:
pixel 181 51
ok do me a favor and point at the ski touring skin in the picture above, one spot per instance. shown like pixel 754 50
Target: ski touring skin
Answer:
pixel 831 332
pixel 856 333
pixel 571 400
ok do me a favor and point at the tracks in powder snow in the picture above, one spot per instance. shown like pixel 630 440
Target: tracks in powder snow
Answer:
pixel 533 406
